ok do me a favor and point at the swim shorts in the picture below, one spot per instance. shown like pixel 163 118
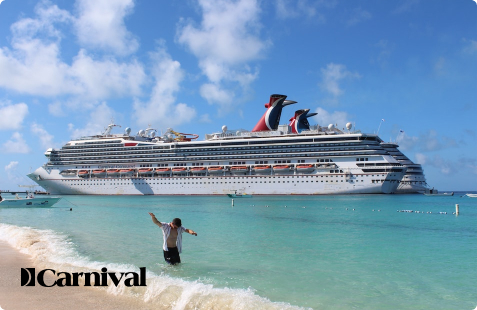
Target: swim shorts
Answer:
pixel 172 256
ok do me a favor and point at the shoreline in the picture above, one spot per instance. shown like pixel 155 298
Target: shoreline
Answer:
pixel 15 296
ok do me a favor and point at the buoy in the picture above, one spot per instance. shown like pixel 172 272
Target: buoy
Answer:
pixel 232 202
pixel 457 209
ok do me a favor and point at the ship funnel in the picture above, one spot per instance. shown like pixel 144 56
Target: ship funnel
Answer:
pixel 299 121
pixel 271 118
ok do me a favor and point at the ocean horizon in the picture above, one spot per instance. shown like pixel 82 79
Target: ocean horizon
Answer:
pixel 266 252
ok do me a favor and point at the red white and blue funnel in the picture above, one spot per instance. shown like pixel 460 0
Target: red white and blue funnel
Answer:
pixel 299 122
pixel 271 119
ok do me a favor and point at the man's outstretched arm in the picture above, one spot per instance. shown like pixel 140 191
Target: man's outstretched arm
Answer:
pixel 155 220
pixel 190 231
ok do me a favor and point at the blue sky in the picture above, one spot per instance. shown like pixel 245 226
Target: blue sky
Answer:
pixel 68 67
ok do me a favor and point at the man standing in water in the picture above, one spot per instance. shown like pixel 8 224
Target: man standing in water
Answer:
pixel 172 233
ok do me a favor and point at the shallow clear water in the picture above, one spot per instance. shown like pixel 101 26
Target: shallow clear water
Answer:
pixel 320 252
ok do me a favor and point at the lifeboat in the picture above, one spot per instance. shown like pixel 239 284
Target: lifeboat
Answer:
pixel 238 169
pixel 126 172
pixel 163 170
pixel 83 173
pixel 305 168
pixel 282 169
pixel 99 172
pixel 216 169
pixel 198 170
pixel 68 172
pixel 262 169
pixel 179 170
pixel 144 171
pixel 112 171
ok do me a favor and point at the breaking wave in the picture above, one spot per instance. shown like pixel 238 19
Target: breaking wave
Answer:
pixel 50 249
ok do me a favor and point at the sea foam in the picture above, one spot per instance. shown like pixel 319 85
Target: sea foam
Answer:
pixel 53 250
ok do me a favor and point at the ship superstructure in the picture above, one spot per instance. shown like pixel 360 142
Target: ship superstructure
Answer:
pixel 270 160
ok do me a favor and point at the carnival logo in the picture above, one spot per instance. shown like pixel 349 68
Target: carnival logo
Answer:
pixel 30 278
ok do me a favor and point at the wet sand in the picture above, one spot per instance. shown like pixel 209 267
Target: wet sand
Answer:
pixel 13 296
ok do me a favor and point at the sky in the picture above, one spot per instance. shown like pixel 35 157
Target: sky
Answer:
pixel 69 68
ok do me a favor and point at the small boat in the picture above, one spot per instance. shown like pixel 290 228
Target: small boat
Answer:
pixel 144 171
pixel 305 168
pixel 41 193
pixel 28 202
pixel 179 170
pixel 99 172
pixel 216 169
pixel 262 169
pixel 282 168
pixel 471 195
pixel 126 172
pixel 435 192
pixel 112 171
pixel 71 172
pixel 238 169
pixel 163 170
pixel 239 195
pixel 197 170
pixel 83 173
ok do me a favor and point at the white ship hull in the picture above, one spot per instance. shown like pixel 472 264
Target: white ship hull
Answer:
pixel 309 184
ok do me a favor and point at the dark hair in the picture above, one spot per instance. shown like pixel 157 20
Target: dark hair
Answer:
pixel 177 222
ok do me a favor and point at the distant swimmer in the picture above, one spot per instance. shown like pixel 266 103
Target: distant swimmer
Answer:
pixel 172 234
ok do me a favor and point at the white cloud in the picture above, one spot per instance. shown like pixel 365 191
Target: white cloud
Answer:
pixel 162 110
pixel 55 108
pixel 11 166
pixel 332 75
pixel 358 15
pixel 34 64
pixel 106 78
pixel 446 166
pixel 16 144
pixel 471 46
pixel 46 139
pixel 205 118
pixel 406 5
pixel 214 93
pixel 443 165
pixel 426 142
pixel 100 24
pixel 12 174
pixel 99 119
pixel 227 39
pixel 385 49
pixel 324 118
pixel 310 9
pixel 12 115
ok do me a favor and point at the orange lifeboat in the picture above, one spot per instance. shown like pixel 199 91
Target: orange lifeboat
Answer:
pixel 216 169
pixel 112 171
pixel 261 169
pixel 126 172
pixel 145 170
pixel 163 170
pixel 99 172
pixel 198 170
pixel 282 168
pixel 305 168
pixel 238 169
pixel 83 173
pixel 178 170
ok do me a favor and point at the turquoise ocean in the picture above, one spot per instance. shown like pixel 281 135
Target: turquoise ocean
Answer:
pixel 266 252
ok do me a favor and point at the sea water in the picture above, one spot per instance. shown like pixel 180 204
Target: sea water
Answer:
pixel 267 252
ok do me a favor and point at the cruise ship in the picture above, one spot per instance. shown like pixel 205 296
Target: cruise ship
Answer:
pixel 271 159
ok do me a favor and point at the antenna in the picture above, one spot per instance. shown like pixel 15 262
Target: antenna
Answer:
pixel 382 120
